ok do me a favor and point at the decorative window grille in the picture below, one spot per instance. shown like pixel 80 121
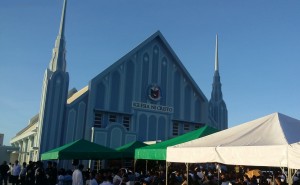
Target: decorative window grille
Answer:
pixel 112 118
pixel 98 119
pixel 126 122
pixel 175 129
pixel 186 127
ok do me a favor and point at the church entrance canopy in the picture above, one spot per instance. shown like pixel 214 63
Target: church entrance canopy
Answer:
pixel 159 151
pixel 81 149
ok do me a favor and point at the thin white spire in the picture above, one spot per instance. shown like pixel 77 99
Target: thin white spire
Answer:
pixel 62 21
pixel 216 55
pixel 58 61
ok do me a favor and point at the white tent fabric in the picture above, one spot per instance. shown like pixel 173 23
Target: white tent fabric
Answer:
pixel 273 140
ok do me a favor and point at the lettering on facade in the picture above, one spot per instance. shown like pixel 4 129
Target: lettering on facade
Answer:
pixel 153 107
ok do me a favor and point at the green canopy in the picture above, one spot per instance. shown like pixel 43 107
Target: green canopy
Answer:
pixel 159 151
pixel 81 149
pixel 128 150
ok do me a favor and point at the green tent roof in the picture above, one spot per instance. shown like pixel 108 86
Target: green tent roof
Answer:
pixel 159 151
pixel 128 150
pixel 81 149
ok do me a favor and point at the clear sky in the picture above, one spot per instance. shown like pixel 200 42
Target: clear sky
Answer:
pixel 259 52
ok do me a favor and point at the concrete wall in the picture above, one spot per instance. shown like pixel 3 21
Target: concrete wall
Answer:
pixel 7 153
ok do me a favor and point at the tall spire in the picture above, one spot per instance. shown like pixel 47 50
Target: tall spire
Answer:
pixel 54 95
pixel 216 55
pixel 58 61
pixel 216 91
pixel 217 106
pixel 62 21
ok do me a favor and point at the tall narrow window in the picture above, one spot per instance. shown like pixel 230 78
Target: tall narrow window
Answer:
pixel 175 129
pixel 98 119
pixel 126 122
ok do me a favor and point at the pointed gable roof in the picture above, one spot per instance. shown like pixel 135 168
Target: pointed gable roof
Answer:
pixel 157 35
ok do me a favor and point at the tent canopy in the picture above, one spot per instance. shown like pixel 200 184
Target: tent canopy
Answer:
pixel 128 150
pixel 272 140
pixel 158 151
pixel 81 149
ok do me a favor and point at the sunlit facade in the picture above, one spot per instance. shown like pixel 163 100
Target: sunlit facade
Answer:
pixel 147 95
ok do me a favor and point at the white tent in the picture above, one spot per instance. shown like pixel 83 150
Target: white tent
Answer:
pixel 273 140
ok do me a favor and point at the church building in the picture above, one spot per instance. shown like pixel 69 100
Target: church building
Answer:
pixel 147 95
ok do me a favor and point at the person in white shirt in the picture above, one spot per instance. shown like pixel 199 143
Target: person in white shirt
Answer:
pixel 117 178
pixel 107 180
pixel 15 173
pixel 225 179
pixel 93 180
pixel 77 178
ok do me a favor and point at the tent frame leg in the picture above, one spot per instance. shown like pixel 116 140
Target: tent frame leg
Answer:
pixel 290 174
pixel 134 166
pixel 187 172
pixel 168 164
pixel 146 167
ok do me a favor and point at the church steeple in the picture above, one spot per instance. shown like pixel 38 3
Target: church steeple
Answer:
pixel 217 106
pixel 58 61
pixel 216 92
pixel 54 96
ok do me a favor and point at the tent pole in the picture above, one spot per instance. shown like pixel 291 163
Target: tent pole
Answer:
pixel 146 167
pixel 289 178
pixel 90 164
pixel 218 170
pixel 134 163
pixel 167 169
pixel 187 172
pixel 166 172
pixel 290 175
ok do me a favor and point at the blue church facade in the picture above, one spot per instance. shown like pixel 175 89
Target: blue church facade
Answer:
pixel 147 95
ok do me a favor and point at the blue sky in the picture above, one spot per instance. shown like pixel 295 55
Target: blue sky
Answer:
pixel 259 50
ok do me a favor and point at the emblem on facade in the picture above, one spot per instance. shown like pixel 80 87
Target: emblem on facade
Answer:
pixel 154 92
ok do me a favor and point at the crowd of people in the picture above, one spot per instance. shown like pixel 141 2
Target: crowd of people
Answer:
pixel 35 173
pixel 232 175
